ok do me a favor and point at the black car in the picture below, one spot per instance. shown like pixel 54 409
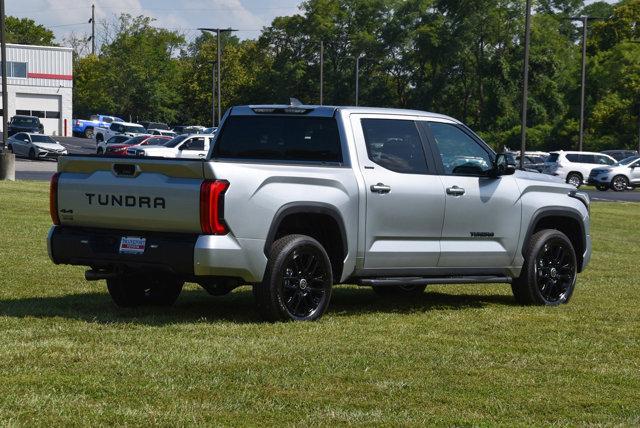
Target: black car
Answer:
pixel 25 124
pixel 620 154
pixel 154 125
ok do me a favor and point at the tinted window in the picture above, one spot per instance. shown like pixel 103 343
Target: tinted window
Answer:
pixel 52 114
pixel 175 141
pixel 574 158
pixel 395 145
pixel 281 138
pixel 22 137
pixel 603 160
pixel 461 154
pixel 194 144
pixel 37 113
pixel 553 157
pixel 587 159
pixel 24 121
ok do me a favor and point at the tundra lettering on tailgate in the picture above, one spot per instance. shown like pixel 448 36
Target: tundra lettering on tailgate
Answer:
pixel 106 199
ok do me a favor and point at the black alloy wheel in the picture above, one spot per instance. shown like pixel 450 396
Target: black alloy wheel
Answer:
pixel 298 281
pixel 574 179
pixel 549 272
pixel 555 270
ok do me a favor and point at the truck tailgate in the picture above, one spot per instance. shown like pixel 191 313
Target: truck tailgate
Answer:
pixel 130 194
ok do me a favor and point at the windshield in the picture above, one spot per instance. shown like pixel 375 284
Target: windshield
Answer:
pixel 628 160
pixel 42 139
pixel 135 140
pixel 134 129
pixel 25 121
pixel 157 125
pixel 175 141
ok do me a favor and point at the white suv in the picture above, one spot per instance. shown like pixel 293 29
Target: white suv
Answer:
pixel 575 167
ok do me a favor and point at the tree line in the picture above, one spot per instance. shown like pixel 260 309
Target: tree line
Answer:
pixel 463 58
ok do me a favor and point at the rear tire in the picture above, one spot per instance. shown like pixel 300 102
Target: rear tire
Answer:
pixel 133 291
pixel 88 133
pixel 297 283
pixel 620 183
pixel 575 179
pixel 549 273
pixel 399 290
pixel 100 151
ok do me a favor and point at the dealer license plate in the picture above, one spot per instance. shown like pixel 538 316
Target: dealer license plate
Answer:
pixel 132 245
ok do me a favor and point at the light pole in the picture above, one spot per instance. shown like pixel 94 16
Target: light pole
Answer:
pixel 525 84
pixel 358 77
pixel 7 159
pixel 218 32
pixel 321 72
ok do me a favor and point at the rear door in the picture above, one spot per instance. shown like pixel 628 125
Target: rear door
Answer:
pixel 482 217
pixel 404 197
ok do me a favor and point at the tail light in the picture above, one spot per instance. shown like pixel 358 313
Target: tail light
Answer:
pixel 212 207
pixel 53 198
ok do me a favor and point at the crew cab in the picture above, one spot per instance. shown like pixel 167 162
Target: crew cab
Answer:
pixel 182 146
pixel 293 199
pixel 119 128
pixel 86 128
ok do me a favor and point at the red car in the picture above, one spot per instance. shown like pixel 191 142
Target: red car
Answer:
pixel 142 140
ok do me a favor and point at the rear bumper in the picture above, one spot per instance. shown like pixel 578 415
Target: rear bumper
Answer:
pixel 186 255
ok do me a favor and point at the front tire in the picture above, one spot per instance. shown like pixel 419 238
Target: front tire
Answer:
pixel 399 290
pixel 549 274
pixel 32 154
pixel 297 283
pixel 100 151
pixel 620 183
pixel 575 179
pixel 88 133
pixel 133 291
pixel 10 148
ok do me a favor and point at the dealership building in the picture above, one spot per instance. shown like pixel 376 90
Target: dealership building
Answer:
pixel 40 83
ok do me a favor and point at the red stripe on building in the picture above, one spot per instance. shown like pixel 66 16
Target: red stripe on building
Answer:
pixel 50 76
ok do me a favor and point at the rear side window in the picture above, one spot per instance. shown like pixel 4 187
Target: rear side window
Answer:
pixel 279 138
pixel 395 145
pixel 553 157
pixel 574 158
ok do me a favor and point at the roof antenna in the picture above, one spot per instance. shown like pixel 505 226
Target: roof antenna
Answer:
pixel 295 102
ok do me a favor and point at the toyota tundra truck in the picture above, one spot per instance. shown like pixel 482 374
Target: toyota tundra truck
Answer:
pixel 294 199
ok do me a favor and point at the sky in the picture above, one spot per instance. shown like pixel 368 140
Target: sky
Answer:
pixel 67 16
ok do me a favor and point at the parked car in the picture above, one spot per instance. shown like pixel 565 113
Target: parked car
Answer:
pixel 154 125
pixel 116 140
pixel 187 129
pixel 575 167
pixel 142 140
pixel 211 130
pixel 532 162
pixel 119 128
pixel 164 132
pixel 194 146
pixel 19 123
pixel 35 146
pixel 86 128
pixel 291 204
pixel 619 177
pixel 620 154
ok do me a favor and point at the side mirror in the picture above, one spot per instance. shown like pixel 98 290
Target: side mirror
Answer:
pixel 502 165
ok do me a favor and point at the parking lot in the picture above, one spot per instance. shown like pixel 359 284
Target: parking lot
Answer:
pixel 42 170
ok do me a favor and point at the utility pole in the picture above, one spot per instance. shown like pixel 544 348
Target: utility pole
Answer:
pixel 7 160
pixel 92 21
pixel 213 94
pixel 321 72
pixel 583 80
pixel 218 32
pixel 525 84
pixel 358 77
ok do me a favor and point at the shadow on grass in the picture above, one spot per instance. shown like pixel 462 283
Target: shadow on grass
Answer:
pixel 237 307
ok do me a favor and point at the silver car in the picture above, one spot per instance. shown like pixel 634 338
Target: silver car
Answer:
pixel 35 146
pixel 619 177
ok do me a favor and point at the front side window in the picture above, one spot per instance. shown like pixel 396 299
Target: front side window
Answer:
pixel 603 160
pixel 194 144
pixel 460 154
pixel 395 145
pixel 280 138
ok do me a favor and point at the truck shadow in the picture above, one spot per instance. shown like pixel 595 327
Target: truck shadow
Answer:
pixel 237 307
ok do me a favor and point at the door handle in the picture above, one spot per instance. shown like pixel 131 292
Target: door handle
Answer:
pixel 455 191
pixel 380 188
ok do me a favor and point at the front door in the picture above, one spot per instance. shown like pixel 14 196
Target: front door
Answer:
pixel 194 148
pixel 482 217
pixel 404 197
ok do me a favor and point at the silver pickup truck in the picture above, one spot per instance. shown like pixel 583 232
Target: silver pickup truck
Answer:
pixel 295 199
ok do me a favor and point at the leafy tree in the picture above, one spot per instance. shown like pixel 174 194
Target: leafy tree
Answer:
pixel 26 31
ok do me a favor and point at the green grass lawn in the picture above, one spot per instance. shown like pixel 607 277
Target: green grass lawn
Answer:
pixel 460 355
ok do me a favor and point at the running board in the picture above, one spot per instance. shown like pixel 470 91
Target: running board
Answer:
pixel 435 280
